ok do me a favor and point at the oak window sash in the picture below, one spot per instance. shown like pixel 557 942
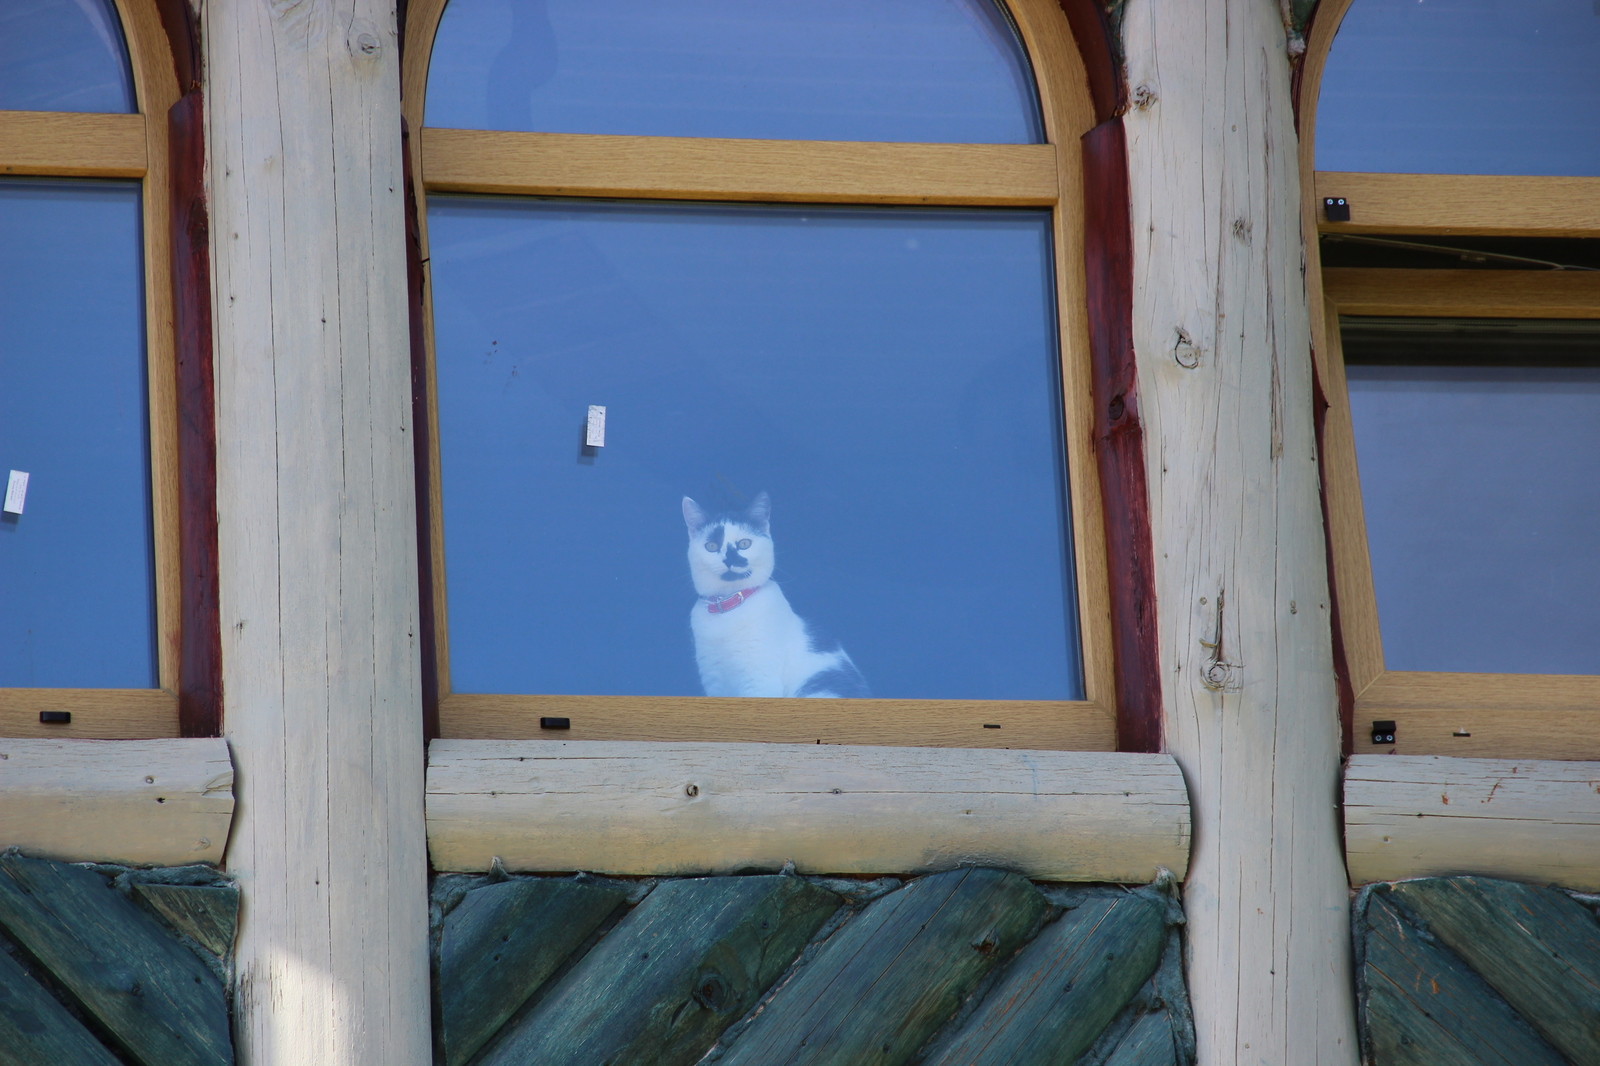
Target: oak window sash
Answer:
pixel 823 172
pixel 53 144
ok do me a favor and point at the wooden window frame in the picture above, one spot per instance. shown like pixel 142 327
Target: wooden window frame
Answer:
pixel 722 170
pixel 1516 716
pixel 55 144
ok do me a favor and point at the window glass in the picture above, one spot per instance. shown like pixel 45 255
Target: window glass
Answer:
pixel 840 70
pixel 76 566
pixel 63 55
pixel 1477 443
pixel 887 377
pixel 1463 87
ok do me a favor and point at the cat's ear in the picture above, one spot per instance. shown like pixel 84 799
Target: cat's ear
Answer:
pixel 760 513
pixel 693 517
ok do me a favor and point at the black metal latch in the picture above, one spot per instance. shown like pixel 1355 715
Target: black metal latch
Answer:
pixel 1383 732
pixel 1337 208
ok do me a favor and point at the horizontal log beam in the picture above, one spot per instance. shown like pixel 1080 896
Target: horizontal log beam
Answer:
pixel 707 168
pixel 159 802
pixel 637 808
pixel 1428 815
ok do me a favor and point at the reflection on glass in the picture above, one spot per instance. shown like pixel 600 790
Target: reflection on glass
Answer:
pixel 1477 443
pixel 832 459
pixel 63 55
pixel 834 70
pixel 76 565
pixel 1463 87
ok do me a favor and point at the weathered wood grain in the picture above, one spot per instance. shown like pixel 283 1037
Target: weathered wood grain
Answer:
pixel 1065 987
pixel 1147 1043
pixel 663 985
pixel 35 1030
pixel 1430 815
pixel 882 984
pixel 158 802
pixel 208 913
pixel 636 808
pixel 500 944
pixel 1222 334
pixel 1537 947
pixel 1425 1007
pixel 152 994
pixel 316 531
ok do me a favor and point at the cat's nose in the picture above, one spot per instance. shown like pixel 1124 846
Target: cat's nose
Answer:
pixel 733 558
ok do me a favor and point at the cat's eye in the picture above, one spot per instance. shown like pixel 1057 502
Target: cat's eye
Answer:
pixel 711 545
pixel 743 544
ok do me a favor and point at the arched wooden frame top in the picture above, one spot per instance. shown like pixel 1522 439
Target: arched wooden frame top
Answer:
pixel 1483 715
pixel 79 145
pixel 672 168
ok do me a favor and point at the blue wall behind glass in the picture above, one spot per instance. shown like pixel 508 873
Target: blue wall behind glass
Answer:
pixel 836 70
pixel 76 567
pixel 63 55
pixel 890 376
pixel 1482 507
pixel 1463 87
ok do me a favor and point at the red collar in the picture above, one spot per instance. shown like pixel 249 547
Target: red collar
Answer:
pixel 728 603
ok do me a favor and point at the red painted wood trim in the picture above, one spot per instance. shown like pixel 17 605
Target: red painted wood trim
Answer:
pixel 1341 663
pixel 1101 54
pixel 1119 437
pixel 183 35
pixel 200 640
pixel 422 450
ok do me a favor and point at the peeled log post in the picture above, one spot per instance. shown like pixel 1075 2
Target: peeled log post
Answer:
pixel 1222 337
pixel 316 532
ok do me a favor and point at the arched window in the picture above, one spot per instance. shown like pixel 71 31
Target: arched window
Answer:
pixel 1456 178
pixel 756 368
pixel 88 560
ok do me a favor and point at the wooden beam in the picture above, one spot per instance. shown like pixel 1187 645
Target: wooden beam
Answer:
pixel 655 808
pixel 1221 331
pixel 1474 293
pixel 1052 724
pixel 71 144
pixel 1428 815
pixel 316 531
pixel 161 802
pixel 706 168
pixel 1478 204
pixel 1508 716
pixel 97 713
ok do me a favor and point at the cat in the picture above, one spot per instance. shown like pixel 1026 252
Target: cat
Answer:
pixel 747 639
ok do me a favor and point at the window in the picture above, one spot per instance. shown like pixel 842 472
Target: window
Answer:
pixel 761 324
pixel 88 568
pixel 1459 349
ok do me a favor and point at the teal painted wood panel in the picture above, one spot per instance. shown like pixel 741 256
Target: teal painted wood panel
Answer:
pixel 35 1030
pixel 660 988
pixel 880 986
pixel 499 944
pixel 1424 1007
pixel 1065 987
pixel 208 913
pixel 1538 947
pixel 155 997
pixel 1148 1043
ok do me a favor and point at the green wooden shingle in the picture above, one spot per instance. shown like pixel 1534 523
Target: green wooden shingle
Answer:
pixel 1065 987
pixel 879 987
pixel 1148 1043
pixel 1537 947
pixel 1424 1006
pixel 154 996
pixel 208 913
pixel 662 986
pixel 35 1030
pixel 499 944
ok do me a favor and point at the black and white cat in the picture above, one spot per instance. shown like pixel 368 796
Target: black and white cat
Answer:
pixel 747 639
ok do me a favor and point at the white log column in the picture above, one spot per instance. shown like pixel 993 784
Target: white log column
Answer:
pixel 1223 342
pixel 317 535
